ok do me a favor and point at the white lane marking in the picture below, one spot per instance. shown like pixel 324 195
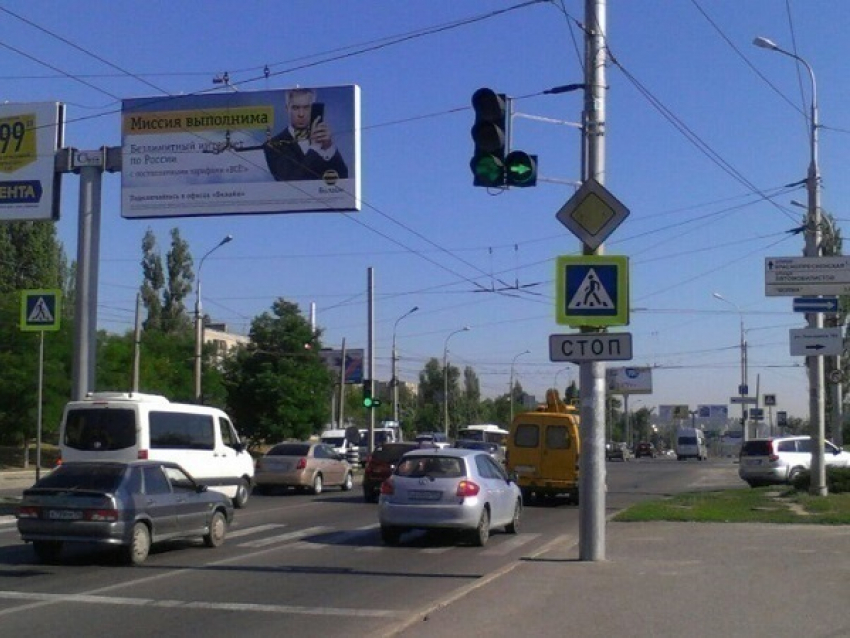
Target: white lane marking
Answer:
pixel 437 550
pixel 190 604
pixel 509 545
pixel 236 533
pixel 283 538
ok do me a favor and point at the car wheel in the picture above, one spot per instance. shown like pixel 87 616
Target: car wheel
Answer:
pixel 317 484
pixel 513 526
pixel 794 473
pixel 348 483
pixel 243 493
pixel 217 530
pixel 47 551
pixel 390 535
pixel 140 545
pixel 481 533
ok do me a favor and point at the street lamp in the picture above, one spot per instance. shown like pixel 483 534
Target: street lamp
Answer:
pixel 511 388
pixel 446 378
pixel 813 240
pixel 199 328
pixel 555 382
pixel 395 360
pixel 742 389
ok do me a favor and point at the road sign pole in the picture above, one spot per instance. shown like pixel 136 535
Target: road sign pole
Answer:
pixel 592 373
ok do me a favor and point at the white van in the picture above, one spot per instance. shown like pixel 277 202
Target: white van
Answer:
pixel 690 444
pixel 117 426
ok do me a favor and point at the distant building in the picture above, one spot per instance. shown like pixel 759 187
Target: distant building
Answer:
pixel 225 342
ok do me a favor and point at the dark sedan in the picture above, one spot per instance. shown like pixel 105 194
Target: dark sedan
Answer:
pixel 124 505
pixel 380 465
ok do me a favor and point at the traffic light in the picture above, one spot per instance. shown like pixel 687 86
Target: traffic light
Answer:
pixel 369 401
pixel 490 136
pixel 520 169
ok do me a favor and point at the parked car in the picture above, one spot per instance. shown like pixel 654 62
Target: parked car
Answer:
pixel 780 460
pixel 303 465
pixel 493 449
pixel 128 505
pixel 449 488
pixel 380 464
pixel 617 451
pixel 644 449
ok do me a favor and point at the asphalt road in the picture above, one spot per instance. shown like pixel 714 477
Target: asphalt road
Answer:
pixel 298 564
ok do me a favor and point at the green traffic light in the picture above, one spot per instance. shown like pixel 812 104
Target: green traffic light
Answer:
pixel 521 169
pixel 488 170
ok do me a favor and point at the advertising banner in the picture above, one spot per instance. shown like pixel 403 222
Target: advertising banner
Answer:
pixel 30 135
pixel 282 151
pixel 668 414
pixel 353 364
pixel 713 414
pixel 629 380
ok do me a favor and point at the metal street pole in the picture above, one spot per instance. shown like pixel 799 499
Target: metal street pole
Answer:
pixel 395 361
pixel 743 388
pixel 446 379
pixel 592 373
pixel 813 249
pixel 511 388
pixel 199 329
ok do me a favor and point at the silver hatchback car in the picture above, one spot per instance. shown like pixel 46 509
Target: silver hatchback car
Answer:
pixel 780 460
pixel 449 488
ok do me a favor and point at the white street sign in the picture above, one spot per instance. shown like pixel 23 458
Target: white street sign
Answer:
pixel 793 276
pixel 591 347
pixel 816 342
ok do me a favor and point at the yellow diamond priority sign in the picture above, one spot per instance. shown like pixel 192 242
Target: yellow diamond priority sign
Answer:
pixel 592 213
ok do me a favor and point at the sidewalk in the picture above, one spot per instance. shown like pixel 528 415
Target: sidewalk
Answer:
pixel 665 580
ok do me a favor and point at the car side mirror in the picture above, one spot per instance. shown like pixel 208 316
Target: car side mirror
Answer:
pixel 239 447
pixel 512 477
pixel 200 489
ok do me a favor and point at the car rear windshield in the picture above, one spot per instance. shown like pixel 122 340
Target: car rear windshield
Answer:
pixel 290 449
pixel 392 451
pixel 101 429
pixel 757 448
pixel 435 466
pixel 687 440
pixel 102 478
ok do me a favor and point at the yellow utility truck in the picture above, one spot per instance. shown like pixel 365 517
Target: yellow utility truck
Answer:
pixel 543 450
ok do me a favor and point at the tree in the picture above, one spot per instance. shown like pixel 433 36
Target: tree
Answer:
pixel 153 281
pixel 471 396
pixel 277 388
pixel 429 415
pixel 180 278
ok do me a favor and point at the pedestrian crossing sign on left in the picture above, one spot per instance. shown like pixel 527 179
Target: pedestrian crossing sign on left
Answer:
pixel 592 291
pixel 40 310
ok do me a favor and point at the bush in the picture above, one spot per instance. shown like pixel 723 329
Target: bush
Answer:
pixel 837 480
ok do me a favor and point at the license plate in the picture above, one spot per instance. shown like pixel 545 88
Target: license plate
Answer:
pixel 424 495
pixel 64 515
pixel 753 462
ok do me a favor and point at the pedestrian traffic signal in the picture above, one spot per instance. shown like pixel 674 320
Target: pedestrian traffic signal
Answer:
pixel 520 169
pixel 369 401
pixel 490 136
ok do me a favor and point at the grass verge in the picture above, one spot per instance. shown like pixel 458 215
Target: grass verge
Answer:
pixel 760 505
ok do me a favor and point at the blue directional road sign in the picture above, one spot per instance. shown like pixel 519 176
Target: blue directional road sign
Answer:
pixel 815 304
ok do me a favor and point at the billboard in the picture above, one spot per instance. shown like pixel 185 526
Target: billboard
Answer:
pixel 353 363
pixel 668 414
pixel 629 380
pixel 282 151
pixel 713 414
pixel 30 135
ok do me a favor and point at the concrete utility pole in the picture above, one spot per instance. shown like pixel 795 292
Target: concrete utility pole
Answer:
pixel 592 373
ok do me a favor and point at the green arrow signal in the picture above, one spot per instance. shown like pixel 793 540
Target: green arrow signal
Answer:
pixel 521 169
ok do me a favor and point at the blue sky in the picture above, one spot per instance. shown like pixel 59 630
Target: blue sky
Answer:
pixel 703 132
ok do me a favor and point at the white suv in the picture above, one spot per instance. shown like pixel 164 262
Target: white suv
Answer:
pixel 780 460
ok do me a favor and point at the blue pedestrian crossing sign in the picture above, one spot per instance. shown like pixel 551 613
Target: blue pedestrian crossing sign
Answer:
pixel 592 290
pixel 40 310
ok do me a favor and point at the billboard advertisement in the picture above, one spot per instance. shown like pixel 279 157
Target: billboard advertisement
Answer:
pixel 353 364
pixel 629 380
pixel 668 414
pixel 282 151
pixel 30 135
pixel 713 414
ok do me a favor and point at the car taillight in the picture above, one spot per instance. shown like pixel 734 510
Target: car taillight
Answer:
pixel 772 456
pixel 387 487
pixel 143 455
pixel 302 463
pixel 101 516
pixel 467 488
pixel 29 511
